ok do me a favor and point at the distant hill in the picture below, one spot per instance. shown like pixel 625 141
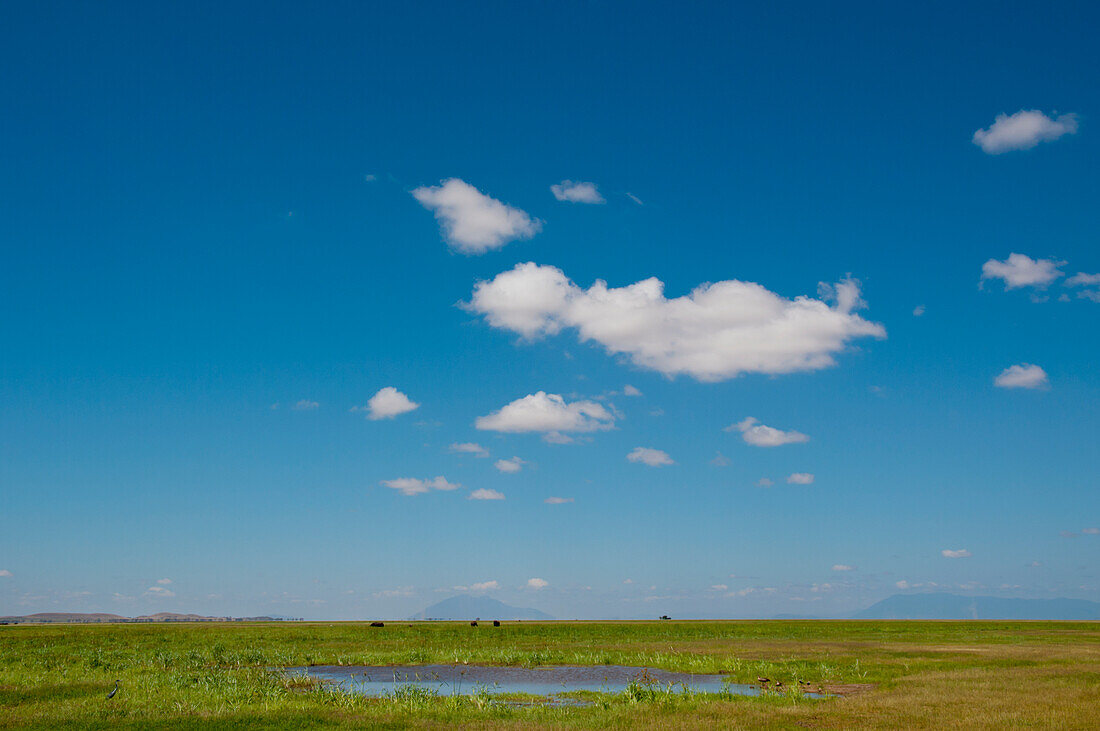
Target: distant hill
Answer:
pixel 954 606
pixel 473 607
pixel 94 618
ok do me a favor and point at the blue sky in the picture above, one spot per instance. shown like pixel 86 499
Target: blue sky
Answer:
pixel 224 233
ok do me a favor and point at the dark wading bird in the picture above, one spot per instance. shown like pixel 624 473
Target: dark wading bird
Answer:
pixel 113 691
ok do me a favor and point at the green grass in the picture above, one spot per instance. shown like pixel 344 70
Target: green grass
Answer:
pixel 919 674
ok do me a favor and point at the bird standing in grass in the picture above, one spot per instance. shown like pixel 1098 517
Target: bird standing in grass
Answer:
pixel 113 691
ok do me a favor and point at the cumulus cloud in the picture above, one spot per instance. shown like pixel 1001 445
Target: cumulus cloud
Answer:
pixel 548 413
pixel 764 482
pixel 164 582
pixel 651 457
pixel 800 478
pixel 1020 270
pixel 537 583
pixel 1023 130
pixel 388 403
pixel 4 573
pixel 485 586
pixel 843 567
pixel 558 500
pixel 160 591
pixel 471 221
pixel 629 390
pixel 513 465
pixel 1024 375
pixel 759 435
pixel 1080 279
pixel 956 553
pixel 414 486
pixel 470 448
pixel 306 405
pixel 717 332
pixel 486 494
pixel 576 192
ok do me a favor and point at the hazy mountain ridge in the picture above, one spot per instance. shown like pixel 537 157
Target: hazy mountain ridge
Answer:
pixel 956 606
pixel 474 607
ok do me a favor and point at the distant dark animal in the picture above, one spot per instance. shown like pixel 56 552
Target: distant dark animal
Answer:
pixel 473 624
pixel 496 622
pixel 763 681
pixel 113 691
pixel 665 616
pixel 377 624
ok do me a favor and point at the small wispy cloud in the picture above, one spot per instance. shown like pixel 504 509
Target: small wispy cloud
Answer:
pixel 1020 270
pixel 843 567
pixel 800 478
pixel 510 466
pixel 472 222
pixel 414 486
pixel 955 553
pixel 4 574
pixel 164 582
pixel 537 583
pixel 760 435
pixel 306 405
pixel 1023 130
pixel 159 591
pixel 558 500
pixel 650 457
pixel 486 494
pixel 469 448
pixel 387 404
pixel 1023 375
pixel 575 191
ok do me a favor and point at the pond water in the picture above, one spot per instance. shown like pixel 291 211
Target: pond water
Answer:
pixel 548 681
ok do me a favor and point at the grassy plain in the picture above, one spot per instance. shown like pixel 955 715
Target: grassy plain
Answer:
pixel 896 674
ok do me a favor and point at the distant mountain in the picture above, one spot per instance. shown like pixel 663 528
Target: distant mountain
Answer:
pixel 473 607
pixel 954 606
pixel 83 618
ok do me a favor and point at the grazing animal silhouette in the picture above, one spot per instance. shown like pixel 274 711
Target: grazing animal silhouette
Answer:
pixel 113 691
pixel 496 622
pixel 473 624
pixel 377 624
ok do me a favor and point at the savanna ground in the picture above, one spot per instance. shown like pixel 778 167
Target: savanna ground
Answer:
pixel 895 674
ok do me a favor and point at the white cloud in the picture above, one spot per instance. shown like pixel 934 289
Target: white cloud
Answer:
pixel 629 390
pixel 635 198
pixel 164 582
pixel 558 500
pixel 470 448
pixel 1090 531
pixel 1020 270
pixel 513 465
pixel 485 586
pixel 388 403
pixel 719 587
pixel 537 583
pixel 1080 279
pixel 764 482
pixel 903 584
pixel 843 567
pixel 486 494
pixel 720 460
pixel 4 573
pixel 1023 130
pixel 958 553
pixel 306 405
pixel 918 311
pixel 413 486
pixel 717 332
pixel 577 192
pixel 651 457
pixel 471 221
pixel 160 591
pixel 543 412
pixel 800 478
pixel 628 581
pixel 1024 375
pixel 759 435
